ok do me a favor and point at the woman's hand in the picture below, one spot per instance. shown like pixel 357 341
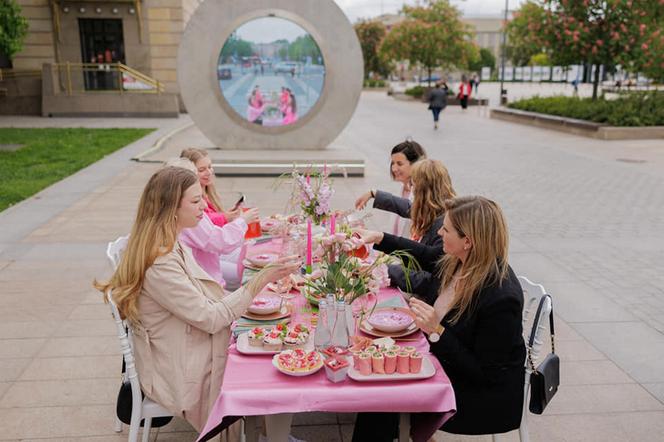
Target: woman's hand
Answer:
pixel 251 215
pixel 425 315
pixel 369 236
pixel 279 269
pixel 231 215
pixel 361 202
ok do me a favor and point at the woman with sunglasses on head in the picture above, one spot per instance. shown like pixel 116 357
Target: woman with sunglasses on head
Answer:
pixel 474 325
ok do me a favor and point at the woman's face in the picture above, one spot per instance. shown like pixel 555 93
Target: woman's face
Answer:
pixel 400 167
pixel 453 243
pixel 191 207
pixel 204 171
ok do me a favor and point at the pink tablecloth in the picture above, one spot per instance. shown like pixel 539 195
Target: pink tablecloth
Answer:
pixel 253 387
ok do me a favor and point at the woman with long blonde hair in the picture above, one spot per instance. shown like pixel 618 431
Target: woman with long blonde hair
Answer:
pixel 431 186
pixel 205 172
pixel 474 325
pixel 179 315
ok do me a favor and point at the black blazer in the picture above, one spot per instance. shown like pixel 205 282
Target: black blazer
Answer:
pixel 483 354
pixel 419 280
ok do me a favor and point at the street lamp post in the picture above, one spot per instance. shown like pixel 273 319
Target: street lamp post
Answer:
pixel 503 92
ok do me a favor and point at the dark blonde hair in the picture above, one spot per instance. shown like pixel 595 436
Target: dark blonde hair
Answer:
pixel 432 186
pixel 194 154
pixel 482 221
pixel 153 234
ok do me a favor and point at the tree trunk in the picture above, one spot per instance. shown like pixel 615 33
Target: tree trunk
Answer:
pixel 596 81
pixel 429 79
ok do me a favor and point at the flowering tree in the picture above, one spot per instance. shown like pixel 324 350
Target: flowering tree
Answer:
pixel 371 34
pixel 432 35
pixel 522 43
pixel 602 32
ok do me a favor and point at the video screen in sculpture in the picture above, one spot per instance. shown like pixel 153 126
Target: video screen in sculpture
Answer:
pixel 271 71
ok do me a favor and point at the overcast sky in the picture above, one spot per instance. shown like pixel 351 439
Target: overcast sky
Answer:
pixel 355 9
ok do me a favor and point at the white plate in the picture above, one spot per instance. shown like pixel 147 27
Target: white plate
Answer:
pixel 296 373
pixel 427 371
pixel 272 304
pixel 245 348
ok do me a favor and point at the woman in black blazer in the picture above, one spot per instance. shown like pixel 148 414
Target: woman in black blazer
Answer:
pixel 474 324
pixel 432 185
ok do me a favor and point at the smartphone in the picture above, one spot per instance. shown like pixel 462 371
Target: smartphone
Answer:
pixel 240 201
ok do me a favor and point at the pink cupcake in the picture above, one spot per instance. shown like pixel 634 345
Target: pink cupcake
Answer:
pixel 378 363
pixel 403 362
pixel 390 362
pixel 255 336
pixel 273 341
pixel 415 362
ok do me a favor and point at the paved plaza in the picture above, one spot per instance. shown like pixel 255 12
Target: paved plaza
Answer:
pixel 586 221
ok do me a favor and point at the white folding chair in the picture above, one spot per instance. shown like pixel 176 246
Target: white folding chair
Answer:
pixel 148 408
pixel 532 294
pixel 142 408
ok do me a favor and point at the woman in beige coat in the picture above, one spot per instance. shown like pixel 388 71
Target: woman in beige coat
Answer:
pixel 180 316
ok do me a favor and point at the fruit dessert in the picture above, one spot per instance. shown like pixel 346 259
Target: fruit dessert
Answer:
pixel 273 341
pixel 298 360
pixel 256 336
pixel 336 368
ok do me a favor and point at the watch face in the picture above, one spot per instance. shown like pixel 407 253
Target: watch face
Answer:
pixel 434 337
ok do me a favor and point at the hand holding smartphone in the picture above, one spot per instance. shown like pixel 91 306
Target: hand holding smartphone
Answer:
pixel 238 203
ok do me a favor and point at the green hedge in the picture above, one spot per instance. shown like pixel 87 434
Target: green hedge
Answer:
pixel 374 83
pixel 416 91
pixel 636 109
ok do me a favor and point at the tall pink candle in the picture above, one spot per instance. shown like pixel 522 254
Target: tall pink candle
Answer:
pixel 333 224
pixel 308 179
pixel 309 260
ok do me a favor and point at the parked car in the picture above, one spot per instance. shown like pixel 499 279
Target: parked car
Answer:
pixel 433 79
pixel 286 67
pixel 224 73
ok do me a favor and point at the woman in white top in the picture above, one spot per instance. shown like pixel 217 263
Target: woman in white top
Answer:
pixel 403 155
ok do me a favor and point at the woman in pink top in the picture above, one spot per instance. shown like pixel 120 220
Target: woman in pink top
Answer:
pixel 290 114
pixel 208 242
pixel 205 174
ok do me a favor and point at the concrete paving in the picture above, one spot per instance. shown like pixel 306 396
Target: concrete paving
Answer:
pixel 583 223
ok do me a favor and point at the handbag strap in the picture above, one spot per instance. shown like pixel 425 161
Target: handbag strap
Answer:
pixel 531 340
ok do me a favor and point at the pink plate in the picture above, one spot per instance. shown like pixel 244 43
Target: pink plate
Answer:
pixel 264 305
pixel 263 259
pixel 391 319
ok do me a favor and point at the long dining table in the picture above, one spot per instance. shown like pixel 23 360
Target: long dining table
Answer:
pixel 253 387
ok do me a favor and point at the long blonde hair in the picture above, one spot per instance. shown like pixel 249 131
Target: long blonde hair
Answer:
pixel 432 186
pixel 194 154
pixel 153 235
pixel 482 221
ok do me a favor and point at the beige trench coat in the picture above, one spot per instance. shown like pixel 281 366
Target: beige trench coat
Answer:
pixel 182 340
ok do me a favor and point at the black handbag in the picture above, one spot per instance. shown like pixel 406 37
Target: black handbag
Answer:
pixel 124 404
pixel 545 378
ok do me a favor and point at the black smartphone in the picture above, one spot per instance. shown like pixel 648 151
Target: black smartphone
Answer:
pixel 240 201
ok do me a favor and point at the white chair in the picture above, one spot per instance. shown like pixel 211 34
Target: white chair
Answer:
pixel 142 408
pixel 532 294
pixel 148 408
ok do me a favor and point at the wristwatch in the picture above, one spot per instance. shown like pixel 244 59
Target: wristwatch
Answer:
pixel 435 336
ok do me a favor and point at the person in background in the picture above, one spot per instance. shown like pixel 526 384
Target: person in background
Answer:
pixel 180 317
pixel 402 157
pixel 476 83
pixel 437 102
pixel 474 325
pixel 465 90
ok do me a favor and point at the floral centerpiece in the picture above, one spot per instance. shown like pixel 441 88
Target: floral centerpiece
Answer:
pixel 348 277
pixel 312 192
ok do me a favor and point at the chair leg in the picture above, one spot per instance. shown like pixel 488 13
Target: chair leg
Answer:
pixel 117 427
pixel 146 429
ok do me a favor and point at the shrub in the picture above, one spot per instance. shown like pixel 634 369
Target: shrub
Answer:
pixel 374 83
pixel 416 91
pixel 636 109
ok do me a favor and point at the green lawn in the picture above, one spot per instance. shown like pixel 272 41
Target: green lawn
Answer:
pixel 50 155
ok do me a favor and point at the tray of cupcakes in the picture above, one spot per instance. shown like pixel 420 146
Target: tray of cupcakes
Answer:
pixel 393 363
pixel 272 340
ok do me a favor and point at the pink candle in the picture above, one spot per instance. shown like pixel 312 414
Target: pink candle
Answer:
pixel 309 260
pixel 333 224
pixel 308 179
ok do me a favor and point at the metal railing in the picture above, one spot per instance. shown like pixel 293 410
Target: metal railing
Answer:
pixel 84 78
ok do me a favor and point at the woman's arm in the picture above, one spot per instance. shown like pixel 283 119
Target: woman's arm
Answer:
pixel 497 332
pixel 422 283
pixel 392 203
pixel 214 239
pixel 168 284
pixel 426 256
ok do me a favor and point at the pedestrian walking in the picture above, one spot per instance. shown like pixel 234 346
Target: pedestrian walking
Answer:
pixel 465 91
pixel 476 83
pixel 437 101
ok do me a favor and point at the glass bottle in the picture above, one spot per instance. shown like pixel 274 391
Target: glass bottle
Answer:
pixel 323 334
pixel 340 330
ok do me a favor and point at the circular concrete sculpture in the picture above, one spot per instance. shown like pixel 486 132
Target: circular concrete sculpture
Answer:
pixel 198 58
